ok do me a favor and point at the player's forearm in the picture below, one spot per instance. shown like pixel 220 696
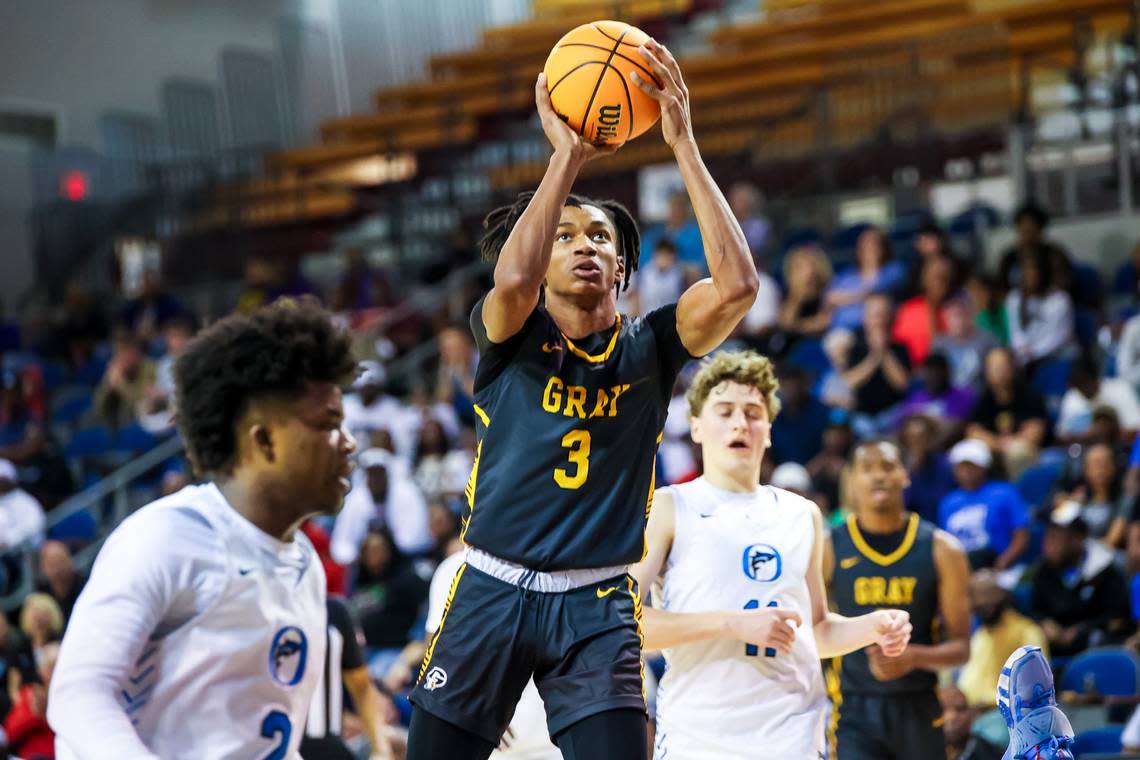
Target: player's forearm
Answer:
pixel 837 635
pixel 935 657
pixel 663 629
pixel 86 717
pixel 526 255
pixel 367 701
pixel 726 249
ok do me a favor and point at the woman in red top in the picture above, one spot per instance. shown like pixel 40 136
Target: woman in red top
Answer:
pixel 921 318
pixel 29 735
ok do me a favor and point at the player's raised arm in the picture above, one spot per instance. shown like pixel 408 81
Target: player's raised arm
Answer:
pixel 708 311
pixel 525 256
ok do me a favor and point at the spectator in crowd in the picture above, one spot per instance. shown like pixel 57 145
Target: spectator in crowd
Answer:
pixel 1126 281
pixel 58 577
pixel 874 272
pixel 21 516
pixel 1078 594
pixel 760 326
pixel 443 525
pixel 431 449
pixel 929 242
pixel 957 724
pixel 931 476
pixel 361 285
pixel 804 311
pixel 41 620
pixel 1001 630
pixel 22 435
pixel 1040 313
pixel 78 327
pixel 948 405
pixel 922 318
pixel 1099 496
pixel 455 382
pixel 17 662
pixel 964 345
pixel 1128 352
pixel 679 227
pixel 829 466
pixel 1030 222
pixel 1088 391
pixel 456 469
pixel 879 373
pixel 370 407
pixel 386 594
pixel 987 516
pixel 991 315
pixel 269 278
pixel 747 204
pixel 145 315
pixel 833 389
pixel 129 380
pixel 1010 416
pixel 662 281
pixel 388 498
pixel 794 477
pixel 26 726
pixel 799 436
pixel 156 410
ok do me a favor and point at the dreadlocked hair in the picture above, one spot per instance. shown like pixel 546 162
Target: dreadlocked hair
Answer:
pixel 499 223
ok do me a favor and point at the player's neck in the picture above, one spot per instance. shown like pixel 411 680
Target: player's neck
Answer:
pixel 889 521
pixel 257 506
pixel 730 480
pixel 578 319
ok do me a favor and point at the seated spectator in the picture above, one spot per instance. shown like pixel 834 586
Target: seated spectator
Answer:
pixel 22 435
pixel 931 476
pixel 1001 630
pixel 829 466
pixel 988 517
pixel 949 406
pixel 146 314
pixel 444 526
pixel 456 469
pixel 78 327
pixel 1098 495
pixel 921 319
pixel 794 477
pixel 386 595
pixel 156 410
pixel 880 372
pixel 991 316
pixel 874 272
pixel 804 311
pixel 388 498
pixel 930 241
pixel 662 280
pixel 455 383
pixel 833 389
pixel 26 726
pixel 1088 391
pixel 370 407
pixel 957 724
pixel 747 204
pixel 1078 594
pixel 679 227
pixel 1040 314
pixel 41 620
pixel 1010 416
pixel 129 380
pixel 1030 222
pixel 964 345
pixel 58 577
pixel 760 326
pixel 799 436
pixel 17 662
pixel 269 278
pixel 361 285
pixel 21 516
pixel 431 450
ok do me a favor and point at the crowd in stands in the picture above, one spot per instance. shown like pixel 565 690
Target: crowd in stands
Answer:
pixel 1012 393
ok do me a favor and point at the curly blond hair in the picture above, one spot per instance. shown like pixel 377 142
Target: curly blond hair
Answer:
pixel 744 367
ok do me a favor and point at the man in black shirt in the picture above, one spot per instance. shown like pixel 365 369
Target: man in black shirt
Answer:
pixel 879 370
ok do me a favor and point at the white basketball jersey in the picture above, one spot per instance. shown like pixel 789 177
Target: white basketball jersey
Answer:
pixel 724 699
pixel 235 680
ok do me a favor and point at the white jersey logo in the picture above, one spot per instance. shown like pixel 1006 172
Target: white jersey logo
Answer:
pixel 287 656
pixel 762 563
pixel 436 678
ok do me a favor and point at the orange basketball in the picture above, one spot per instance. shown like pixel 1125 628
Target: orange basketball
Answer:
pixel 588 76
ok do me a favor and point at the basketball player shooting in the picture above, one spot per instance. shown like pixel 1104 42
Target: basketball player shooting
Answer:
pixel 743 615
pixel 201 633
pixel 571 399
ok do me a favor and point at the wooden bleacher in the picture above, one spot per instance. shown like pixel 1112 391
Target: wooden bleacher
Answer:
pixel 959 63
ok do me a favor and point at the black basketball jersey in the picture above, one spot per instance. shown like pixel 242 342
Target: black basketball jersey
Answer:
pixel 568 433
pixel 902 577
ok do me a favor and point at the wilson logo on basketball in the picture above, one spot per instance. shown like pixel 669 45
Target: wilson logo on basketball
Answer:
pixel 609 119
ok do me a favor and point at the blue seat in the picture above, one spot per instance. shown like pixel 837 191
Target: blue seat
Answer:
pixel 1085 324
pixel 1052 377
pixel 1036 483
pixel 909 222
pixel 799 236
pixel 1104 740
pixel 846 237
pixel 809 354
pixel 1112 671
pixel 134 439
pixel 87 442
pixel 1088 283
pixel 70 403
pixel 967 222
pixel 78 528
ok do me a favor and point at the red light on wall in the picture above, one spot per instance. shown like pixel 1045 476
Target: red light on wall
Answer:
pixel 74 186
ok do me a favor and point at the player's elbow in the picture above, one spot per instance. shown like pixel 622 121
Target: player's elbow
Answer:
pixel 741 294
pixel 513 280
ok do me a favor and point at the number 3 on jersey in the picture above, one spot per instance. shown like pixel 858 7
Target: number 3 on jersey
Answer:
pixel 578 443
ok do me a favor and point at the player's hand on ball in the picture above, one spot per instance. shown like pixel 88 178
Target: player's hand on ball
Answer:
pixel 562 138
pixel 770 627
pixel 892 631
pixel 676 123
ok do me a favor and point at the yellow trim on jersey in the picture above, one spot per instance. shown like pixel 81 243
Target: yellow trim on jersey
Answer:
pixel 836 696
pixel 446 608
pixel 600 357
pixel 640 633
pixel 883 559
pixel 483 416
pixel 469 491
pixel 649 499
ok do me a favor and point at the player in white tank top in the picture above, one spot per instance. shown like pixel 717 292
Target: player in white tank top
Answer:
pixel 742 615
pixel 201 632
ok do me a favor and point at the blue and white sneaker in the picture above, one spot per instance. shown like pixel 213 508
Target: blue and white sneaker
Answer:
pixel 1038 730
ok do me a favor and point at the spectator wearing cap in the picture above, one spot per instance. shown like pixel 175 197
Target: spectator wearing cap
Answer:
pixel 799 436
pixel 21 516
pixel 794 477
pixel 1001 629
pixel 988 517
pixel 1089 391
pixel 1010 416
pixel 387 498
pixel 58 577
pixel 931 476
pixel 963 344
pixel 921 318
pixel 1077 592
pixel 369 407
pixel 950 406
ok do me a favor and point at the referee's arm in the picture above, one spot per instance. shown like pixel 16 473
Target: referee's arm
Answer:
pixel 368 707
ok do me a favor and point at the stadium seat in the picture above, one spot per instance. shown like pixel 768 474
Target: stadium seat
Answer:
pixel 1037 482
pixel 134 439
pixel 1106 739
pixel 1088 284
pixel 1111 671
pixel 74 530
pixel 967 222
pixel 87 442
pixel 797 237
pixel 1085 326
pixel 1052 378
pixel 809 355
pixel 845 237
pixel 70 403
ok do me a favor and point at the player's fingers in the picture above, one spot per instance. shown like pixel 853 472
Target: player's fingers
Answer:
pixel 647 87
pixel 786 615
pixel 658 68
pixel 542 95
pixel 669 61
